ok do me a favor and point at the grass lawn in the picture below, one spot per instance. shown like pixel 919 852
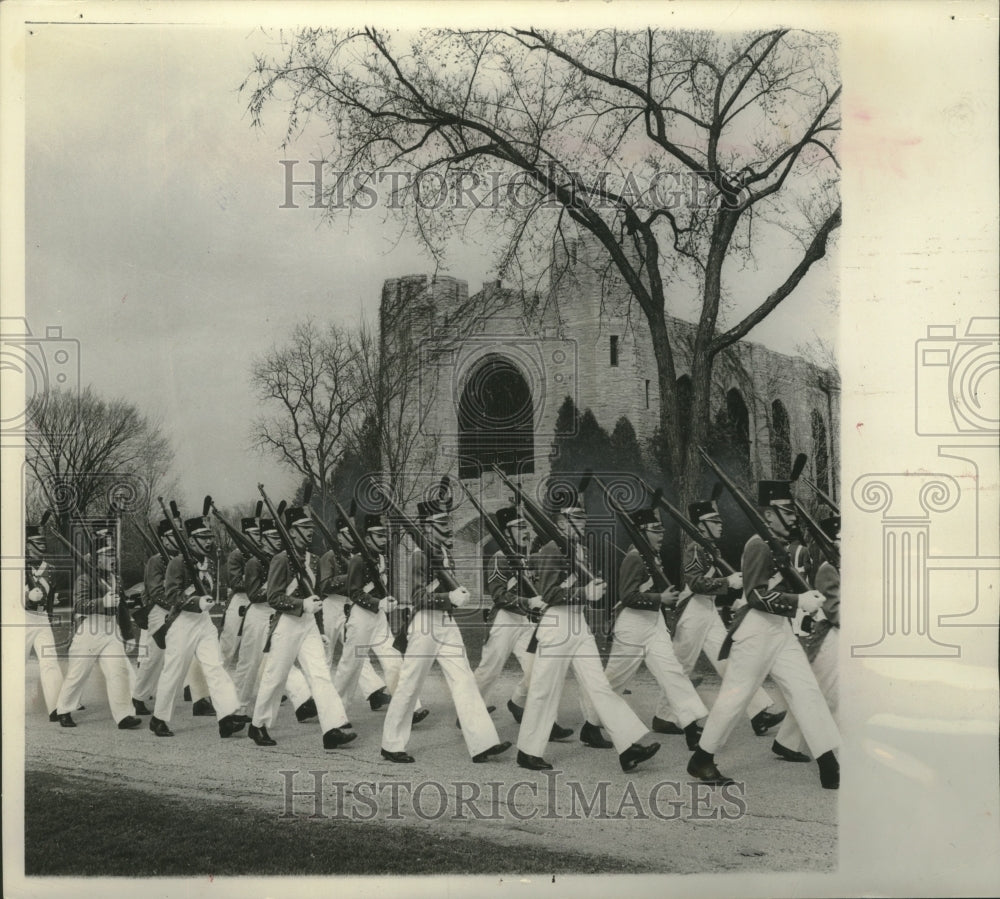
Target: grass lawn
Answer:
pixel 74 826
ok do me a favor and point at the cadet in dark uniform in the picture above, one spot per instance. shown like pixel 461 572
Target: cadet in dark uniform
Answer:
pixel 38 629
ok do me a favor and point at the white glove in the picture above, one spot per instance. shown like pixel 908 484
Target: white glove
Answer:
pixel 810 602
pixel 387 605
pixel 206 602
pixel 110 600
pixel 459 597
pixel 594 591
pixel 535 602
pixel 670 596
pixel 512 583
pixel 735 581
pixel 35 595
pixel 310 605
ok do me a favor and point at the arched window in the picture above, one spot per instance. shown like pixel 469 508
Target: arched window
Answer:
pixel 820 452
pixel 495 419
pixel 739 423
pixel 781 441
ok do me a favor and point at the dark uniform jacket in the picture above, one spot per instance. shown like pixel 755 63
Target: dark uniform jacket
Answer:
pixel 175 584
pixel 553 569
pixel 510 599
pixel 633 578
pixel 235 567
pixel 88 595
pixel 153 576
pixel 279 575
pixel 332 575
pixel 31 581
pixel 422 575
pixel 828 583
pixel 361 587
pixel 253 581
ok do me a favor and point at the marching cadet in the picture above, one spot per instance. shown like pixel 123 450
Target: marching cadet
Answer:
pixel 336 611
pixel 97 638
pixel 821 650
pixel 232 621
pixel 761 642
pixel 367 628
pixel 256 625
pixel 193 635
pixel 565 638
pixel 433 635
pixel 295 637
pixel 641 633
pixel 699 624
pixel 150 656
pixel 514 619
pixel 38 628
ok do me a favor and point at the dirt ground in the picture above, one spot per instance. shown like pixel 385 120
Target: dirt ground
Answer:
pixel 777 819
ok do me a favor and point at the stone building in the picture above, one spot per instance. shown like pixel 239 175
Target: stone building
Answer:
pixel 495 367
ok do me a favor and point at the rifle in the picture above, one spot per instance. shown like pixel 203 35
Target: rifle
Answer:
pixel 779 554
pixel 160 635
pixel 445 577
pixel 302 573
pixel 823 496
pixel 546 527
pixel 825 544
pixel 125 623
pixel 371 563
pixel 50 595
pixel 690 529
pixel 328 536
pixel 243 544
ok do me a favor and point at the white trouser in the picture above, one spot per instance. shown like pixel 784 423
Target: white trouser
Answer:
pixel 510 633
pixel 642 636
pixel 250 667
pixel 434 636
pixel 38 636
pixel 97 640
pixel 701 629
pixel 229 638
pixel 194 636
pixel 366 632
pixel 150 658
pixel 297 638
pixel 334 621
pixel 824 666
pixel 764 644
pixel 564 639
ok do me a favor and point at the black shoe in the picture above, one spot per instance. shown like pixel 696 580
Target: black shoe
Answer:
pixel 140 707
pixel 159 727
pixel 665 727
pixel 590 735
pixel 379 700
pixel 129 722
pixel 260 736
pixel 66 720
pixel 230 725
pixel 306 711
pixel 187 694
pixel 493 750
pixel 335 737
pixel 829 771
pixel 693 734
pixel 789 755
pixel 203 708
pixel 419 715
pixel 517 711
pixel 702 766
pixel 402 758
pixel 560 733
pixel 242 719
pixel 762 722
pixel 532 762
pixel 53 716
pixel 637 753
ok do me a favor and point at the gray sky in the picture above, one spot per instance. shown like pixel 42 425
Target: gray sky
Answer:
pixel 155 238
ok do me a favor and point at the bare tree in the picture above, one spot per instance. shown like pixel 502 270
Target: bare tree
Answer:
pixel 310 381
pixel 680 154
